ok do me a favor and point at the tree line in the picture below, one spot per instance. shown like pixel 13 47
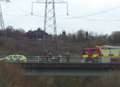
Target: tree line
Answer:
pixel 36 41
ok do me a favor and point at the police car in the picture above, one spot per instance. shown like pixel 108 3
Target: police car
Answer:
pixel 16 59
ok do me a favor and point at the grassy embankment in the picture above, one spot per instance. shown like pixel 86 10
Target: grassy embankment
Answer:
pixel 10 76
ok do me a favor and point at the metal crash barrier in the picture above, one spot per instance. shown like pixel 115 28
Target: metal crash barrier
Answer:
pixel 46 59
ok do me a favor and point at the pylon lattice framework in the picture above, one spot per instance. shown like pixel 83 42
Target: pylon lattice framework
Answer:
pixel 1 18
pixel 50 16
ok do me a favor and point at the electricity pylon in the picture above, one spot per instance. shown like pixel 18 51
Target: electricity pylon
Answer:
pixel 50 14
pixel 50 18
pixel 1 19
pixel 2 26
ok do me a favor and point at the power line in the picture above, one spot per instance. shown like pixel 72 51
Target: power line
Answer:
pixel 100 20
pixel 18 10
pixel 96 13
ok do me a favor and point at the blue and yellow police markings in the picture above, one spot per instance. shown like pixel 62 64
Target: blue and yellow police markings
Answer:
pixel 16 59
pixel 112 53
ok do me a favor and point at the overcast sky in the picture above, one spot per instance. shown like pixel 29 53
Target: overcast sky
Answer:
pixel 101 16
